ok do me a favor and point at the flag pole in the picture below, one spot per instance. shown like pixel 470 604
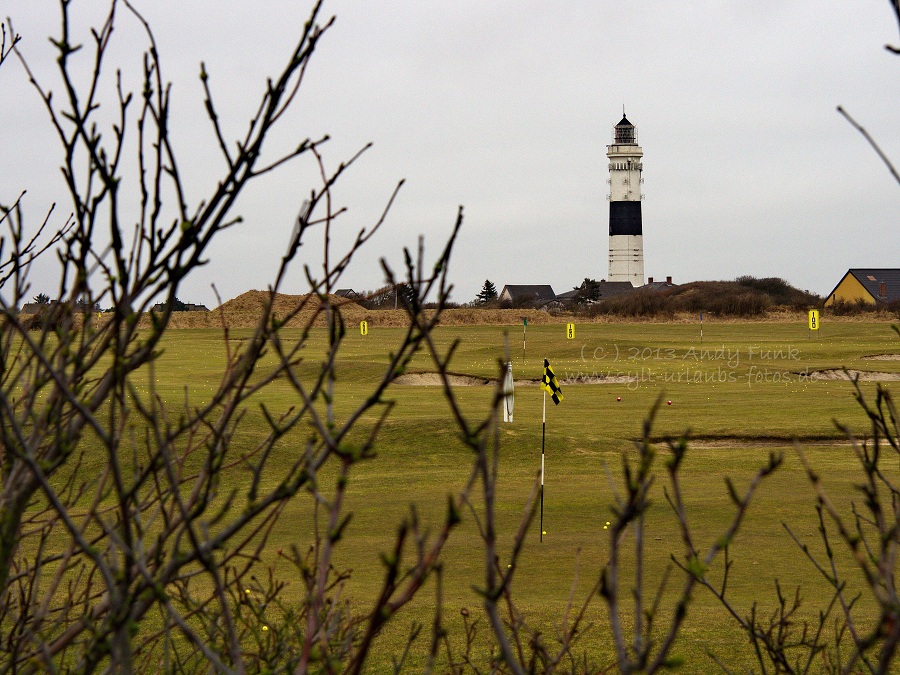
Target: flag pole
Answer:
pixel 524 328
pixel 548 383
pixel 543 436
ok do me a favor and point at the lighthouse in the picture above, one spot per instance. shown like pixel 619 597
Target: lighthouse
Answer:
pixel 626 241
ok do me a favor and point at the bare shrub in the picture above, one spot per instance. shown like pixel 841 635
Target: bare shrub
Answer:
pixel 131 527
pixel 639 303
pixel 854 308
pixel 744 297
pixel 844 638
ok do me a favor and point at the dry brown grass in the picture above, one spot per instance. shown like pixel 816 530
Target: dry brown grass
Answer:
pixel 244 311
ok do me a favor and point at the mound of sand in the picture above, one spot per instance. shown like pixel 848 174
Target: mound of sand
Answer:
pixel 245 311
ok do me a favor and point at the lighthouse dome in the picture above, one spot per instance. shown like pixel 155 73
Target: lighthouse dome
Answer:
pixel 625 132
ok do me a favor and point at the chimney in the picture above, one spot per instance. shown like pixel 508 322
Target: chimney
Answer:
pixel 882 289
pixel 649 280
pixel 668 280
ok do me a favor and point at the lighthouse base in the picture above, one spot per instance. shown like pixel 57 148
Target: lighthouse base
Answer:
pixel 626 258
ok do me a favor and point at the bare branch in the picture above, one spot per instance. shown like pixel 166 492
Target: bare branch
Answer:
pixel 871 141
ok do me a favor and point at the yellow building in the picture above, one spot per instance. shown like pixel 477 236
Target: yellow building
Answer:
pixel 869 285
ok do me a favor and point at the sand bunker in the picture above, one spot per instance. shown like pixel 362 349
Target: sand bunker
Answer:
pixel 459 380
pixel 742 442
pixel 599 378
pixel 861 375
pixel 434 380
pixel 883 357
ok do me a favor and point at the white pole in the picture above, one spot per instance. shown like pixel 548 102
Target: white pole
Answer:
pixel 524 329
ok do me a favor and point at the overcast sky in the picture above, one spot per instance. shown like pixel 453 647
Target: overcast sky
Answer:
pixel 506 107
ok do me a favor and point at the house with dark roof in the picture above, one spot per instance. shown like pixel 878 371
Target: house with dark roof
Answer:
pixel 537 293
pixel 597 290
pixel 658 285
pixel 609 289
pixel 869 285
pixel 180 307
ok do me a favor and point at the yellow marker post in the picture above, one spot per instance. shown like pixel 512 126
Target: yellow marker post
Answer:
pixel 570 331
pixel 363 327
pixel 813 321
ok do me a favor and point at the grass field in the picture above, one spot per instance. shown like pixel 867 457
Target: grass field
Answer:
pixel 743 392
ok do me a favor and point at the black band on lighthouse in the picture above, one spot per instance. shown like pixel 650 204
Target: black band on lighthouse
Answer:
pixel 624 218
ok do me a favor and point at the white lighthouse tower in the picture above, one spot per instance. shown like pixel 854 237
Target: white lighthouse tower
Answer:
pixel 626 241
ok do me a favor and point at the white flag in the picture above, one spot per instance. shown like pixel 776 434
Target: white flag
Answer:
pixel 508 394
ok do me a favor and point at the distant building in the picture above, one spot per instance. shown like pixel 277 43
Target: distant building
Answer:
pixel 598 290
pixel 348 293
pixel 609 289
pixel 180 307
pixel 626 238
pixel 658 285
pixel 538 293
pixel 869 285
pixel 568 295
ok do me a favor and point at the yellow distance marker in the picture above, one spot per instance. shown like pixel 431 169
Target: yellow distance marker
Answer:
pixel 570 331
pixel 363 327
pixel 814 319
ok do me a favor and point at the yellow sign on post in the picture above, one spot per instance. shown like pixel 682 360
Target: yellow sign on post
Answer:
pixel 570 331
pixel 814 319
pixel 363 327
